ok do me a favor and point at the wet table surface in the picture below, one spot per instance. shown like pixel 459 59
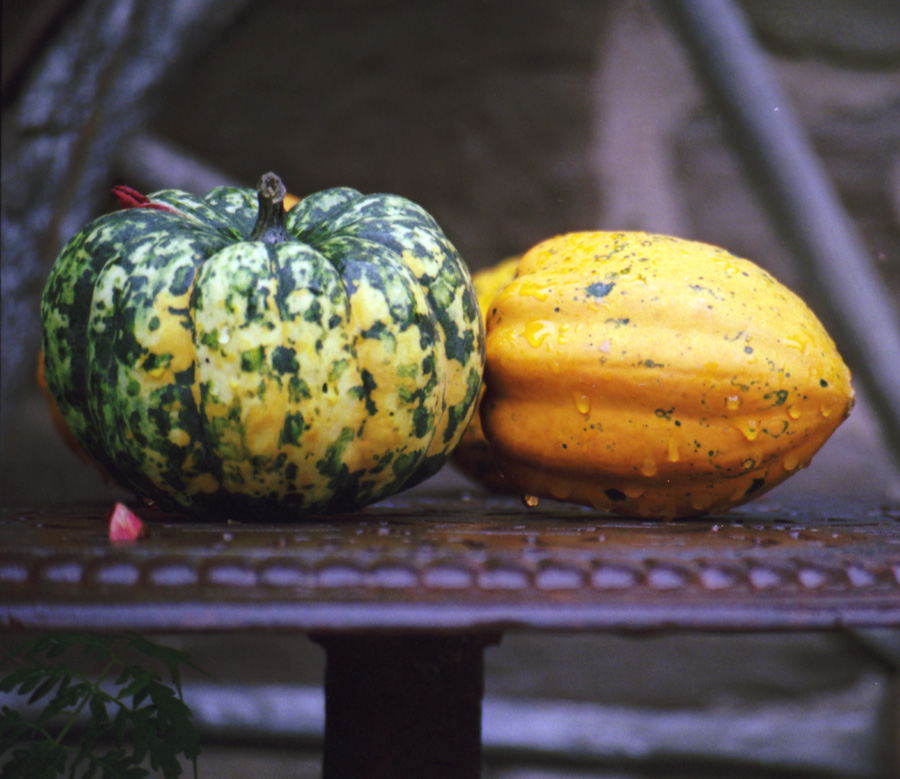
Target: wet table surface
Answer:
pixel 460 564
pixel 404 596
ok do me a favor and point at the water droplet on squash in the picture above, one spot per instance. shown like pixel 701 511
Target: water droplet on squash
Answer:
pixel 733 402
pixel 634 491
pixel 536 333
pixel 531 500
pixel 582 402
pixel 730 268
pixel 702 503
pixel 793 412
pixel 798 341
pixel 749 428
pixel 790 462
pixel 224 335
pixel 826 410
pixel 649 467
pixel 534 291
pixel 674 456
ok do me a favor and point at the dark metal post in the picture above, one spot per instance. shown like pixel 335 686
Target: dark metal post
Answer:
pixel 403 706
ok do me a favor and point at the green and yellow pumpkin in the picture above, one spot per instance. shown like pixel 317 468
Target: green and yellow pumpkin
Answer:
pixel 220 355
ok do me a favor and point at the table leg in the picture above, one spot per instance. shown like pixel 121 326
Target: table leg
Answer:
pixel 403 706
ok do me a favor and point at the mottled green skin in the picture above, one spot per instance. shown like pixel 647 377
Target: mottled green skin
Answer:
pixel 217 374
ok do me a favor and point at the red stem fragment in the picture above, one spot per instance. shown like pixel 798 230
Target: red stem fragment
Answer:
pixel 131 198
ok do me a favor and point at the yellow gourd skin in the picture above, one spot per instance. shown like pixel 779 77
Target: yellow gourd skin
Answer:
pixel 655 377
pixel 473 455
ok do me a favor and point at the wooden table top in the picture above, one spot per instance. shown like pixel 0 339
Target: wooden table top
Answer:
pixel 466 563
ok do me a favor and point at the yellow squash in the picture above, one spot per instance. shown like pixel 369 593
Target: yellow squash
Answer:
pixel 654 376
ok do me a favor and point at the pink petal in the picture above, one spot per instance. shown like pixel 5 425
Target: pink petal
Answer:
pixel 123 524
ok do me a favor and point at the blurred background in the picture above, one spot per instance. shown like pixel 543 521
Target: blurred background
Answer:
pixel 510 121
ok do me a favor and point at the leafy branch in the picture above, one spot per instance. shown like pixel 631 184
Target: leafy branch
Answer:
pixel 133 715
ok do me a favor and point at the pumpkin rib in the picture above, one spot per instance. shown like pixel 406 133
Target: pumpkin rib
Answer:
pixel 143 363
pixel 195 209
pixel 314 213
pixel 238 206
pixel 447 276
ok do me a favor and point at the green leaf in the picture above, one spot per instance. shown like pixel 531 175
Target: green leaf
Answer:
pixel 68 696
pixel 45 687
pixel 157 723
pixel 35 761
pixel 118 764
pixel 31 681
pixel 141 681
pixel 52 649
pixel 141 743
pixel 120 724
pixel 27 677
pixel 99 713
pixel 13 729
pixel 97 643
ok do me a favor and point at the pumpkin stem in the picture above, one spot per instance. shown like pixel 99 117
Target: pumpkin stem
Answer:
pixel 269 226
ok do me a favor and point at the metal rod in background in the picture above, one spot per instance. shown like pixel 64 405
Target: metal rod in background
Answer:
pixel 854 304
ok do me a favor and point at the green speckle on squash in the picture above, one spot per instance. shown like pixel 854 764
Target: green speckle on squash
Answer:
pixel 293 429
pixel 781 397
pixel 284 360
pixel 331 465
pixel 338 368
pixel 423 422
pixel 298 390
pixel 253 359
pixel 210 339
pixel 403 463
pixel 599 289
